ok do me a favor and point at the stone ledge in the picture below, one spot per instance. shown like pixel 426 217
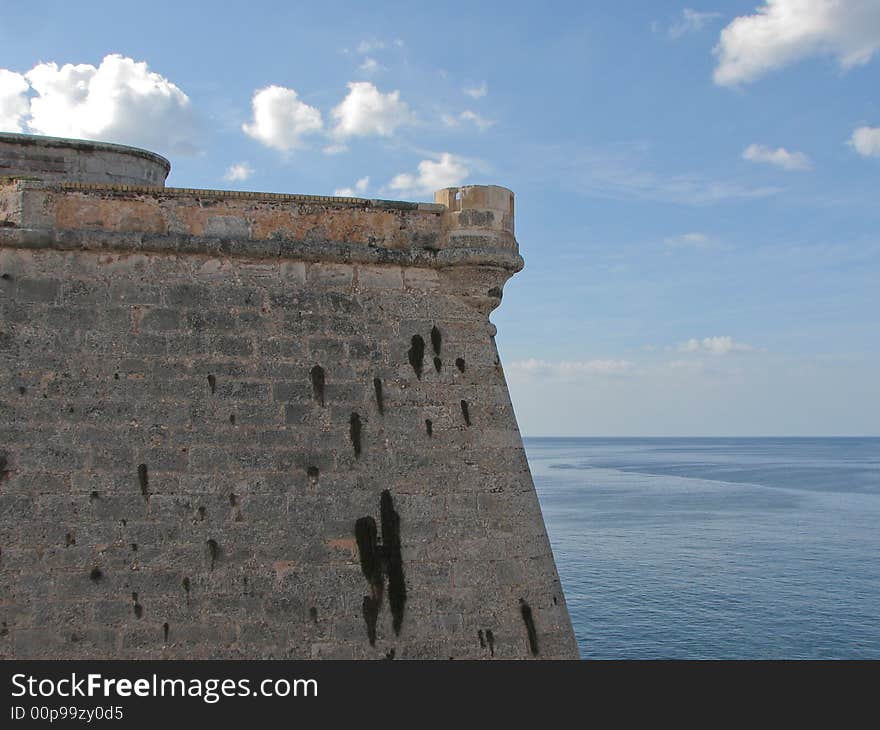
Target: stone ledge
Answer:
pixel 323 251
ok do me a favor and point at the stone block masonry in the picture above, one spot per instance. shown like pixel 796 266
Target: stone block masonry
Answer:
pixel 242 425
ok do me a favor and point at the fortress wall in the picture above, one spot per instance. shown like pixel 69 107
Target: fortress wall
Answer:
pixel 176 482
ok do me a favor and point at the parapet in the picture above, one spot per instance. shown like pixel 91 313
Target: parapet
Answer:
pixel 51 159
pixel 76 194
pixel 475 230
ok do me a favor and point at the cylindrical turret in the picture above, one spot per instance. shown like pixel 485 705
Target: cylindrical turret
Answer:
pixel 479 206
pixel 478 227
pixel 51 159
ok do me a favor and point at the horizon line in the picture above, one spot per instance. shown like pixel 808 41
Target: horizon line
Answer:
pixel 761 436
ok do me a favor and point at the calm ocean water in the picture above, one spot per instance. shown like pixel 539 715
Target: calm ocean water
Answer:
pixel 716 548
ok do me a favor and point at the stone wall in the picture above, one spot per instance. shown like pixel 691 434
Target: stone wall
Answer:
pixel 256 426
pixel 75 160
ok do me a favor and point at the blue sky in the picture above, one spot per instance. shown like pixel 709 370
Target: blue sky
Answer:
pixel 696 183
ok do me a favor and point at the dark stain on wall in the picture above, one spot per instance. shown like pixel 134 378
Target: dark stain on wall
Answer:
pixel 394 561
pixel 138 608
pixel 366 536
pixel 381 561
pixel 4 464
pixel 371 566
pixel 313 473
pixel 490 640
pixel 466 412
pixel 482 640
pixel 186 584
pixel 370 610
pixel 213 551
pixel 313 614
pixel 416 354
pixel 354 431
pixel 526 612
pixel 144 480
pixel 438 364
pixel 436 339
pixel 429 427
pixel 165 628
pixel 96 574
pixel 317 376
pixel 212 381
pixel 459 363
pixel 377 386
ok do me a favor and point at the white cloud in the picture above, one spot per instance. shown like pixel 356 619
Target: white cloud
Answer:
pixel 335 149
pixel 368 46
pixel 571 368
pixel 14 104
pixel 372 45
pixel 280 119
pixel 866 141
pixel 477 92
pixel 481 122
pixel 697 241
pixel 366 111
pixel 714 345
pixel 370 65
pixel 691 21
pixel 446 171
pixel 780 157
pixel 782 32
pixel 120 100
pixel 622 172
pixel 605 174
pixel 360 187
pixel 238 172
pixel 467 115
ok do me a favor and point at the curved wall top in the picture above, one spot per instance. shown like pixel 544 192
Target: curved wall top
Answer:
pixel 52 159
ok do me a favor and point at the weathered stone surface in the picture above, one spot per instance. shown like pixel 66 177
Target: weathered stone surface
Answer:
pixel 75 160
pixel 191 430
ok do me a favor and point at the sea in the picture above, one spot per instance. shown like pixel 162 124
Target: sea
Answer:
pixel 715 548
